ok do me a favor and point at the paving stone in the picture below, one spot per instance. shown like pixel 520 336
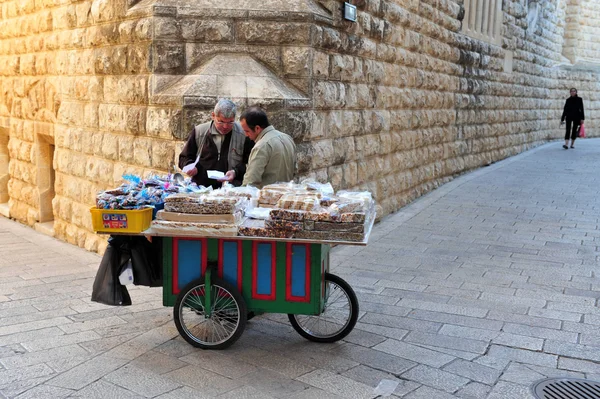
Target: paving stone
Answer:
pixel 523 356
pixel 524 319
pixel 389 332
pixel 399 322
pixel 18 387
pixel 582 366
pixel 576 351
pixel 337 384
pixel 436 378
pixel 504 390
pixel 25 373
pixel 519 341
pixel 31 358
pixel 473 390
pixel 34 325
pixel 45 392
pixel 246 392
pixel 220 364
pixel 469 333
pixel 521 374
pixel 202 380
pixel 373 377
pixel 473 371
pixel 104 390
pixel 443 308
pixel 86 373
pixel 374 358
pixel 313 393
pixel 445 341
pixel 275 384
pixel 425 392
pixel 451 319
pixel 414 353
pixel 541 332
pixel 140 381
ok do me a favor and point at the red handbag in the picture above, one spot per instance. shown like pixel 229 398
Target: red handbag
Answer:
pixel 582 131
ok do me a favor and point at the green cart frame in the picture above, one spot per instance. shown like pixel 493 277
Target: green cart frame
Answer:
pixel 214 284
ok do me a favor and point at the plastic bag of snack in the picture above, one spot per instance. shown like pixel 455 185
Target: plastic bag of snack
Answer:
pixel 364 196
pixel 302 202
pixel 326 189
pixel 258 213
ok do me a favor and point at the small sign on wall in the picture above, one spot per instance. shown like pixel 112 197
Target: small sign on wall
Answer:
pixel 349 12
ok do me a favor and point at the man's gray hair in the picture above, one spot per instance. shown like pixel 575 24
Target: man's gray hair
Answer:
pixel 226 108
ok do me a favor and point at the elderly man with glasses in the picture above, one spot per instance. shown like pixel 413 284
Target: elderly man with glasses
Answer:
pixel 217 145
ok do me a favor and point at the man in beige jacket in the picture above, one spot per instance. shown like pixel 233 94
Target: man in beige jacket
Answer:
pixel 273 158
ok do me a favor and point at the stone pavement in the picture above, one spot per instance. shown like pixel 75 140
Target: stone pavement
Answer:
pixel 476 290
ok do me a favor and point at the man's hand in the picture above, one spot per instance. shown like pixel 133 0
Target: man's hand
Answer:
pixel 229 176
pixel 192 172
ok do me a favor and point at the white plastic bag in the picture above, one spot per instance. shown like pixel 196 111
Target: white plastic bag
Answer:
pixel 126 276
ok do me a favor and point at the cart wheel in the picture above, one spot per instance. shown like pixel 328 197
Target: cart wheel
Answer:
pixel 227 318
pixel 339 316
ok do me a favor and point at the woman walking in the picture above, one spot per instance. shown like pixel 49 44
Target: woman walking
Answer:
pixel 574 115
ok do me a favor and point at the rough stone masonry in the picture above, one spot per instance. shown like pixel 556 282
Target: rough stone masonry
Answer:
pixel 398 102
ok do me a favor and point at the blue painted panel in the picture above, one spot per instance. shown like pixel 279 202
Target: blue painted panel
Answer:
pixel 189 261
pixel 299 270
pixel 230 262
pixel 264 260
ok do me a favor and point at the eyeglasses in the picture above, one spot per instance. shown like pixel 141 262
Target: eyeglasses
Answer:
pixel 224 123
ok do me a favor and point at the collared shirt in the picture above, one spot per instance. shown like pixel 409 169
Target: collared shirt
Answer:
pixel 217 137
pixel 272 160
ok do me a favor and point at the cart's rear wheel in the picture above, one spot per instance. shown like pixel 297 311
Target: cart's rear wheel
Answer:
pixel 340 312
pixel 220 327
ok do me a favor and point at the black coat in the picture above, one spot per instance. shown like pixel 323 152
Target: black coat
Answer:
pixel 573 109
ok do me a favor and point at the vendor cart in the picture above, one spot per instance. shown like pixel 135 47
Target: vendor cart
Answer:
pixel 214 283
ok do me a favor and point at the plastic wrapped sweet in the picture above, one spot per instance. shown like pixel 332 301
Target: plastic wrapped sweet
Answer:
pixel 363 196
pixel 329 235
pixel 347 206
pixel 332 226
pixel 325 189
pixel 191 229
pixel 258 213
pixel 280 224
pixel 270 194
pixel 228 190
pixel 203 204
pixel 302 202
pixel 287 214
pixel 256 228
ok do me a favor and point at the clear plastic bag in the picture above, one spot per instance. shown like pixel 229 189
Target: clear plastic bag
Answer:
pixel 271 193
pixel 228 190
pixel 364 196
pixel 302 202
pixel 258 213
pixel 326 189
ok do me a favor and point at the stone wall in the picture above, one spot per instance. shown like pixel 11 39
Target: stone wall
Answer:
pixel 398 102
pixel 582 43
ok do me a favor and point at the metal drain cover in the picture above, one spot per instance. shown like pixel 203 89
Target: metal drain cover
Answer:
pixel 566 388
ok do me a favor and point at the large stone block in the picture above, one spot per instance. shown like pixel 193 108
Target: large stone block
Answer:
pixel 297 61
pixel 163 155
pixel 165 123
pixel 258 32
pixel 207 31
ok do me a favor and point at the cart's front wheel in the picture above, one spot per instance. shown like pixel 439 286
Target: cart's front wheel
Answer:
pixel 340 312
pixel 215 329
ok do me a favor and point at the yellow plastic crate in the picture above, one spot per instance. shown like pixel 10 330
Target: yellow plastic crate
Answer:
pixel 121 220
